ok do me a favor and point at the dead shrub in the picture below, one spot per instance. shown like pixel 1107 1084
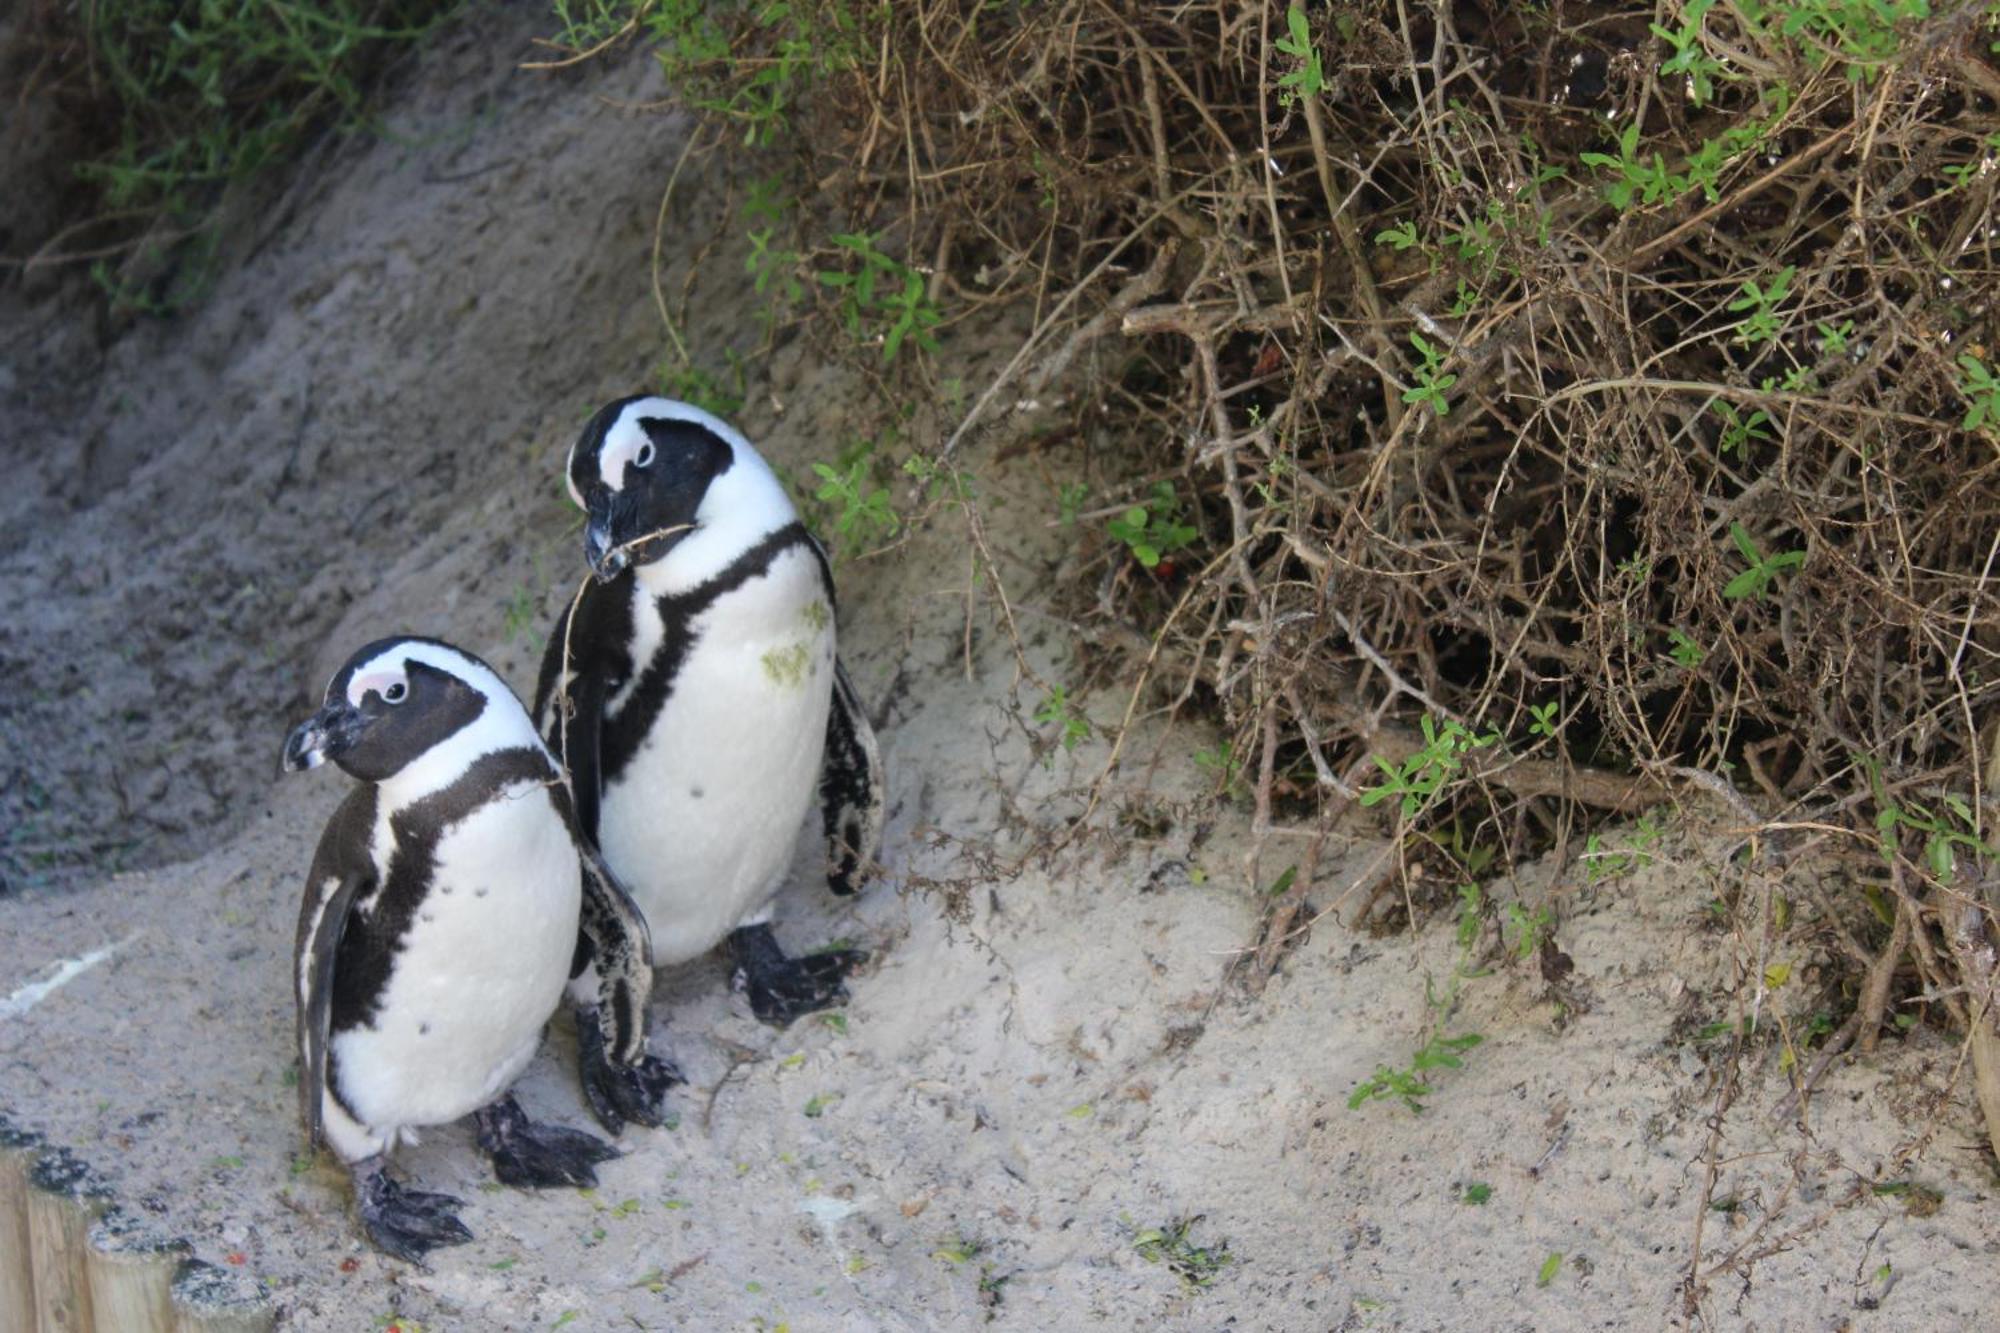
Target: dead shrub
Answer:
pixel 1619 388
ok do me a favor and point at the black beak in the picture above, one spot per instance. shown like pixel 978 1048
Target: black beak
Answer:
pixel 325 735
pixel 606 563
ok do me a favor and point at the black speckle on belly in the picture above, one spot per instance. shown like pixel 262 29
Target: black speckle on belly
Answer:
pixel 423 1029
pixel 695 793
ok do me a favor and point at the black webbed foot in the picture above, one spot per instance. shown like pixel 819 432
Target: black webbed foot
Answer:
pixel 406 1223
pixel 781 988
pixel 621 1092
pixel 538 1156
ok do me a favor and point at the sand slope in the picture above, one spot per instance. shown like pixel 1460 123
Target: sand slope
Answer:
pixel 360 434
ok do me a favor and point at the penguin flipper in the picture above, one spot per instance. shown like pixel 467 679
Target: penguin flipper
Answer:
pixel 341 871
pixel 569 707
pixel 610 983
pixel 852 787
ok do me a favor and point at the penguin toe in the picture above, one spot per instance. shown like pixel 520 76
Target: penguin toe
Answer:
pixel 635 1092
pixel 409 1224
pixel 619 1092
pixel 548 1156
pixel 785 989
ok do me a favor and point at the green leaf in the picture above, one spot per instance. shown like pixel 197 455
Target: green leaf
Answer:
pixel 1550 1267
pixel 1744 584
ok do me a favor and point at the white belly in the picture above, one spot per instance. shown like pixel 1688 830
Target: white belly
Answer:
pixel 482 969
pixel 702 822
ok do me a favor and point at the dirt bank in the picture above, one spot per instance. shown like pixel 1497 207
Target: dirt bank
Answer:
pixel 1023 1109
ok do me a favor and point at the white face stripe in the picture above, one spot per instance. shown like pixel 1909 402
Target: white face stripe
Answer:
pixel 625 436
pixel 502 725
pixel 388 667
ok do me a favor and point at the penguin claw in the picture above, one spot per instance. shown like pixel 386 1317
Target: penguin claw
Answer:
pixel 407 1224
pixel 780 989
pixel 637 1092
pixel 538 1156
pixel 621 1092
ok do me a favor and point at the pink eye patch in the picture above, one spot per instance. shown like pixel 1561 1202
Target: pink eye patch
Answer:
pixel 378 681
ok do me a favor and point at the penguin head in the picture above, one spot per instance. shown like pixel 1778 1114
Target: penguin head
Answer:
pixel 398 700
pixel 665 483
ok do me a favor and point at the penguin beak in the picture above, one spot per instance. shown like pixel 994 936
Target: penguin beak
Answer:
pixel 601 537
pixel 325 735
pixel 606 563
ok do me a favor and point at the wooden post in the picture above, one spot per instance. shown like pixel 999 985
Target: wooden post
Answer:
pixel 17 1272
pixel 132 1275
pixel 208 1299
pixel 62 1194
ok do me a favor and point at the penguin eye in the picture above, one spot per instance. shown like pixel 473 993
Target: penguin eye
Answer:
pixel 644 458
pixel 396 693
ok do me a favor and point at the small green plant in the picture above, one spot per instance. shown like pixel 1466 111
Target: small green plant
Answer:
pixel 709 392
pixel 959 1250
pixel 773 269
pixel 1400 237
pixel 1432 380
pixel 1069 502
pixel 1154 529
pixel 1073 728
pixel 1833 338
pixel 1420 777
pixel 1738 430
pixel 1690 58
pixel 1170 1244
pixel 1476 1193
pixel 1862 33
pixel 1542 718
pixel 882 297
pixel 1471 916
pixel 1684 650
pixel 1550 1267
pixel 1758 303
pixel 1755 581
pixel 1982 393
pixel 1945 833
pixel 1477 243
pixel 1440 1052
pixel 1308 79
pixel 1600 863
pixel 1471 858
pixel 1961 174
pixel 1648 182
pixel 797 47
pixel 1221 760
pixel 865 512
pixel 1529 929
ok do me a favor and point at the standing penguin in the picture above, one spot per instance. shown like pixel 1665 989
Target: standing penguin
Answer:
pixel 440 925
pixel 693 692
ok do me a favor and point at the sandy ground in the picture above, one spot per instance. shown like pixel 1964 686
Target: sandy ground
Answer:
pixel 359 433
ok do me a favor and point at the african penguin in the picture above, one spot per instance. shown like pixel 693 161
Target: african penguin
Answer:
pixel 702 708
pixel 439 928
